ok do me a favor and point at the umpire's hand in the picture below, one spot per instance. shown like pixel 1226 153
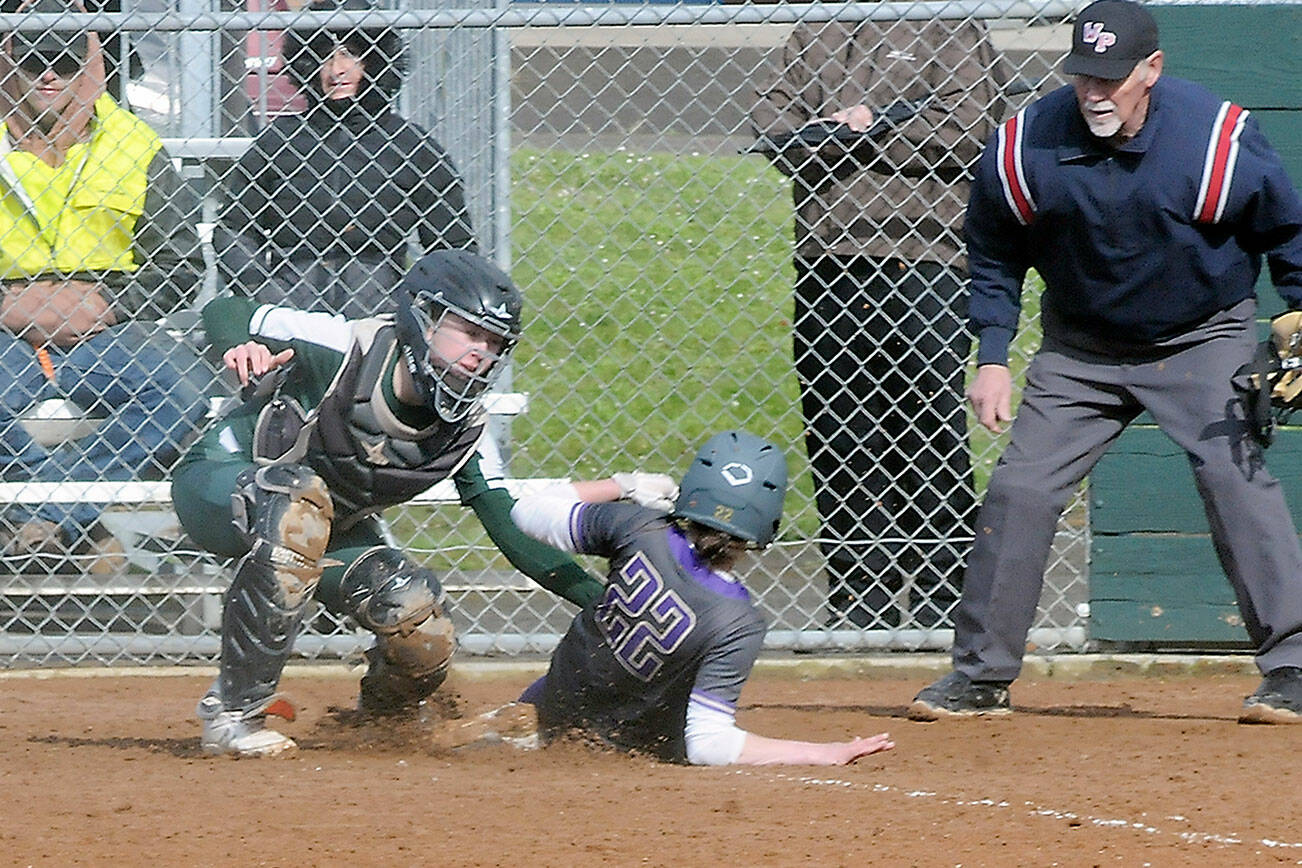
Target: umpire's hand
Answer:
pixel 991 394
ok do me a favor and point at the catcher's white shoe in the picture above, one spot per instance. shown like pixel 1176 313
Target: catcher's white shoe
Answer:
pixel 228 734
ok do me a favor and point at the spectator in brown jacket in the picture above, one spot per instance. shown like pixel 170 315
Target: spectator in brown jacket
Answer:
pixel 877 122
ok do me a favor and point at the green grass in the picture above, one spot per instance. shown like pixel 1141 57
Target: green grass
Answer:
pixel 658 293
pixel 658 308
pixel 986 446
pixel 658 312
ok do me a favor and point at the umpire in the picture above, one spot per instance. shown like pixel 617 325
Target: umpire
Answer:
pixel 1145 203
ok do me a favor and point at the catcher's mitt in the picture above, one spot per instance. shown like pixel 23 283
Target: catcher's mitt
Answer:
pixel 1272 382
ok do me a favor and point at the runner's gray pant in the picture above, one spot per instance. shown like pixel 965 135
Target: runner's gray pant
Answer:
pixel 1073 407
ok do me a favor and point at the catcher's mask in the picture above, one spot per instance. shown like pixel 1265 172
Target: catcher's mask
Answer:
pixel 458 318
pixel 1271 383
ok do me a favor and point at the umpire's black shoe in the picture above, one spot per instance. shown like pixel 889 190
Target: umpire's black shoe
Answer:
pixel 956 695
pixel 1277 700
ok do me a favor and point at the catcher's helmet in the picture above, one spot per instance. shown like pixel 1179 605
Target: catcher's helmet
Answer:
pixel 456 284
pixel 380 49
pixel 737 484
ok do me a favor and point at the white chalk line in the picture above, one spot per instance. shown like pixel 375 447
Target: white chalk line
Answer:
pixel 1034 810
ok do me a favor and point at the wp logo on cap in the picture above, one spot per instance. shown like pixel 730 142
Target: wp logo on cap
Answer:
pixel 1110 37
pixel 1092 31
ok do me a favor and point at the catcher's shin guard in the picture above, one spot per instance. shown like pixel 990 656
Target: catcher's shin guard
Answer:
pixel 403 604
pixel 285 513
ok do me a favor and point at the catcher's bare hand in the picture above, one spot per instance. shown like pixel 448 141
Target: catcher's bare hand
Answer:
pixel 991 394
pixel 252 359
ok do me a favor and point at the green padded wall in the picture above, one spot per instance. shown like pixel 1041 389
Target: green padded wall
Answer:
pixel 1154 576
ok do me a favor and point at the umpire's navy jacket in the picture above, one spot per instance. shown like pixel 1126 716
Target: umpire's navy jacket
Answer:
pixel 1137 243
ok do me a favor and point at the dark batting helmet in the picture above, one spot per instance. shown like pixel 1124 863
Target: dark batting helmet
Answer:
pixel 380 49
pixel 457 284
pixel 737 484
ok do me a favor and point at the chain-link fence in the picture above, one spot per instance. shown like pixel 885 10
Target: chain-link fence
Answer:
pixel 650 177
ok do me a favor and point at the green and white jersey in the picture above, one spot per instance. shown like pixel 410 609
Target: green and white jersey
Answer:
pixel 335 411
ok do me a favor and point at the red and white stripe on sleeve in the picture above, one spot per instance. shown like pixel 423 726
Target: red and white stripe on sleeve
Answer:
pixel 1218 165
pixel 1011 175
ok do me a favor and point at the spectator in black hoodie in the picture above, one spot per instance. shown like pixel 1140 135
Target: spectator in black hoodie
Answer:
pixel 323 205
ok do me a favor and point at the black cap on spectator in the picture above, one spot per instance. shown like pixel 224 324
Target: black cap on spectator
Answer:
pixel 50 44
pixel 1109 38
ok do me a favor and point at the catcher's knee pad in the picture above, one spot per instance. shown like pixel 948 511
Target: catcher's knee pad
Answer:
pixel 285 514
pixel 404 605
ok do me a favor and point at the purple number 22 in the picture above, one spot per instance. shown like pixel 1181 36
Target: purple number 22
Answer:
pixel 642 620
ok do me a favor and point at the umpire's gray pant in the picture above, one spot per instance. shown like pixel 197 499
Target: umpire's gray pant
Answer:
pixel 1073 408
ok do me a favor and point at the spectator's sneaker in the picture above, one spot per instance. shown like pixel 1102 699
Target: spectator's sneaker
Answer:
pixel 1277 700
pixel 956 695
pixel 229 734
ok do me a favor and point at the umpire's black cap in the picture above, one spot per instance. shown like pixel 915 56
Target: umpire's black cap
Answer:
pixel 1109 38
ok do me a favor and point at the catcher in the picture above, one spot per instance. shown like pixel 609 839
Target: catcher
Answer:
pixel 658 663
pixel 342 419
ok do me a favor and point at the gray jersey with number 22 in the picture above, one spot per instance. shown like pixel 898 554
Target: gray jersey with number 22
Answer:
pixel 667 631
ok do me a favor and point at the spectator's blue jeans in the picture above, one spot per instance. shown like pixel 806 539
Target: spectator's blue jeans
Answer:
pixel 148 387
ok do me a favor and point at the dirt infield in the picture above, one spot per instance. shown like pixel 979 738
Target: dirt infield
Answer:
pixel 1126 771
